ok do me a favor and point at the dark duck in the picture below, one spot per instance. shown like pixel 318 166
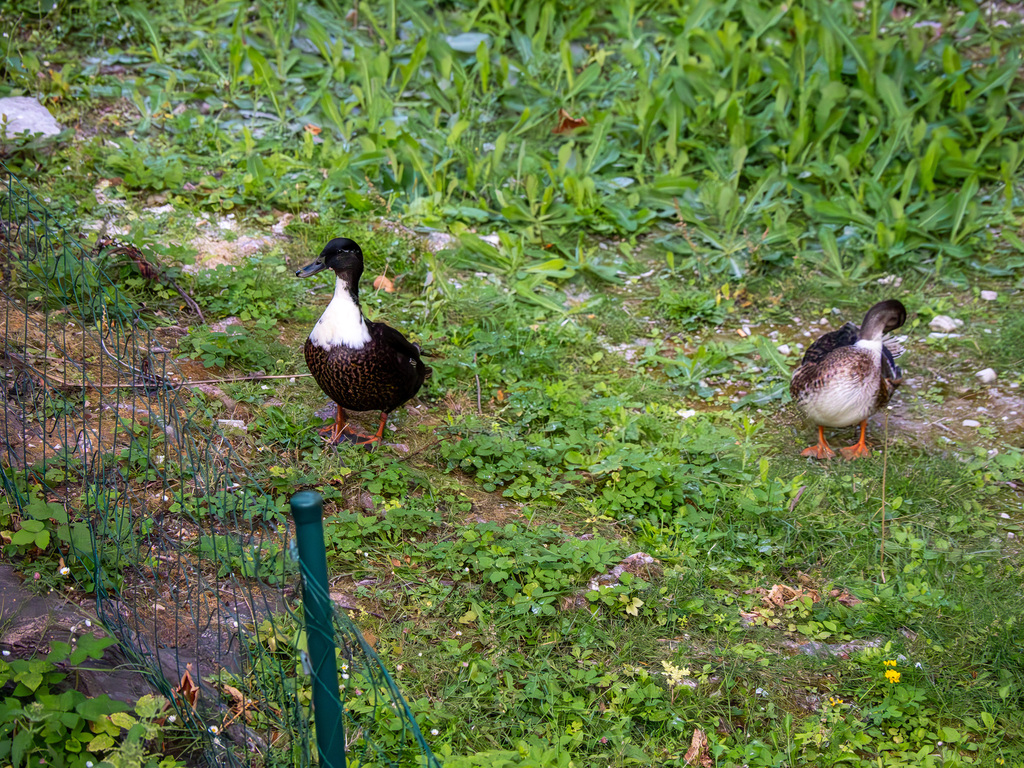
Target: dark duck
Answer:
pixel 359 364
pixel 847 375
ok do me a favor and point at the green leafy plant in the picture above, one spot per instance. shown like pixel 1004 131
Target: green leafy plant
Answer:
pixel 42 720
pixel 262 288
pixel 236 346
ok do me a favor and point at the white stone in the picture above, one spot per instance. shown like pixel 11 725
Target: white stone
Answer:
pixel 20 113
pixel 439 241
pixel 971 423
pixel 784 350
pixel 986 376
pixel 989 295
pixel 943 335
pixel 944 324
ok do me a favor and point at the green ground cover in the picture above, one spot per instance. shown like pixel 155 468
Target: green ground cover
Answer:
pixel 610 370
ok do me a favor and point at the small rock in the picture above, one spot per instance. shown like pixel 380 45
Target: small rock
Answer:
pixel 784 349
pixel 21 113
pixel 221 326
pixel 986 376
pixel 944 324
pixel 971 423
pixel 232 424
pixel 989 295
pixel 439 241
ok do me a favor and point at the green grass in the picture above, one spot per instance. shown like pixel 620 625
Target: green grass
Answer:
pixel 742 166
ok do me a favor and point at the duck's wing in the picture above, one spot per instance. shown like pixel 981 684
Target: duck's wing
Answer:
pixel 892 348
pixel 889 368
pixel 844 337
pixel 398 342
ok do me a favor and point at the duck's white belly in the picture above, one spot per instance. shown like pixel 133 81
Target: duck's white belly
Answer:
pixel 839 403
pixel 844 388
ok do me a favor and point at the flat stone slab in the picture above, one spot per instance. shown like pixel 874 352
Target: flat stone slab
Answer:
pixel 29 623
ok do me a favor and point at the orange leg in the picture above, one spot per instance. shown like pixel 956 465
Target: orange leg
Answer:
pixel 343 432
pixel 369 440
pixel 860 448
pixel 821 450
pixel 379 437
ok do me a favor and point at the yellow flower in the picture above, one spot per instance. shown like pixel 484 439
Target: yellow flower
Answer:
pixel 890 663
pixel 892 676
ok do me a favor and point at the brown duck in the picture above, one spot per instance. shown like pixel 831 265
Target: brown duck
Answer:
pixel 847 375
pixel 359 364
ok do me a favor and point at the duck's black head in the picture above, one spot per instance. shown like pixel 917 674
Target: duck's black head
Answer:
pixel 343 256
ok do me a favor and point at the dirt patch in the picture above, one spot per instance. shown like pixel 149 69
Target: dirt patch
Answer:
pixel 213 249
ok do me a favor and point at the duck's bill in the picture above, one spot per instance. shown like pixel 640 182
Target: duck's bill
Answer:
pixel 311 269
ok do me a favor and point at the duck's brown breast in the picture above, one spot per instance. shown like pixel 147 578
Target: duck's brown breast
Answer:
pixel 371 378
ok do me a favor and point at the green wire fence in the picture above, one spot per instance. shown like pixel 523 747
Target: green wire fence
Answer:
pixel 149 508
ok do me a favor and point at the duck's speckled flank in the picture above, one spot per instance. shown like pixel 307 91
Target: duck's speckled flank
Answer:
pixel 375 377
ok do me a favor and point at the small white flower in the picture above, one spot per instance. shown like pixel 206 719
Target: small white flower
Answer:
pixel 214 730
pixel 5 652
pixel 344 676
pixel 458 633
pixel 433 731
pixel 172 718
pixel 88 623
pixel 88 764
pixel 64 571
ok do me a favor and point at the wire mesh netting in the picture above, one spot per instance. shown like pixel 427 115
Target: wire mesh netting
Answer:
pixel 188 556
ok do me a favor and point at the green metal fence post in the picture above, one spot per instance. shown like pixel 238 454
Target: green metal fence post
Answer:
pixel 308 510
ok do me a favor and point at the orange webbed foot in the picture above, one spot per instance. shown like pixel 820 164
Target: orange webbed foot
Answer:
pixel 821 450
pixel 860 449
pixel 856 451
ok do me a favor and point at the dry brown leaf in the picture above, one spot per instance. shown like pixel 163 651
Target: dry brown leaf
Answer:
pixel 187 689
pixel 782 595
pixel 567 123
pixel 844 598
pixel 238 699
pixel 698 753
pixel 314 129
pixel 381 283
